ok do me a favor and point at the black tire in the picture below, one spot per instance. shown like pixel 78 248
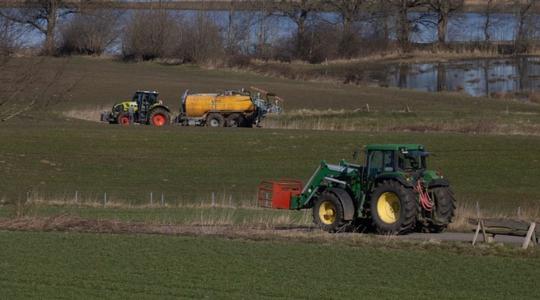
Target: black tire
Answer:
pixel 234 120
pixel 159 117
pixel 393 208
pixel 247 122
pixel 443 210
pixel 330 222
pixel 215 120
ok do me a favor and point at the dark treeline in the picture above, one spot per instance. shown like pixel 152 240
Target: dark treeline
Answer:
pixel 246 34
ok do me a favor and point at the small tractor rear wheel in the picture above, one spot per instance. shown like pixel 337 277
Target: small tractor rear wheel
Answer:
pixel 123 119
pixel 328 213
pixel 234 120
pixel 393 208
pixel 443 210
pixel 215 120
pixel 159 117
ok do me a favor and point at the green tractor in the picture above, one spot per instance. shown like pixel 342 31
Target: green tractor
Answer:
pixel 393 193
pixel 144 108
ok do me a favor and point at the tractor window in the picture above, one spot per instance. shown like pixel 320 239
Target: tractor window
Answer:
pixel 388 161
pixel 413 160
pixel 375 163
pixel 381 161
pixel 151 98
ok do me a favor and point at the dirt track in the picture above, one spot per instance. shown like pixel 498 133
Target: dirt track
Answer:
pixel 460 237
pixel 67 223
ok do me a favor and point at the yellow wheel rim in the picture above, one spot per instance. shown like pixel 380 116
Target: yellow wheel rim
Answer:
pixel 388 207
pixel 327 212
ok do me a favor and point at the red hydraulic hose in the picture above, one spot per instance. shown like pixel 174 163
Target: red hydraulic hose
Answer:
pixel 425 200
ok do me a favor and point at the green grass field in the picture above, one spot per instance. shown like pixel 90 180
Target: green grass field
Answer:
pixel 84 86
pixel 70 265
pixel 488 149
pixel 187 165
pixel 52 156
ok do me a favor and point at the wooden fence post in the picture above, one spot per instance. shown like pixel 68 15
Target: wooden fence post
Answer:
pixel 529 236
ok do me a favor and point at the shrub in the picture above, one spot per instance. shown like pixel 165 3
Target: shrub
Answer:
pixel 89 33
pixel 149 35
pixel 199 40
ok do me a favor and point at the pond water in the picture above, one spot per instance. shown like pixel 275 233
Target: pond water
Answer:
pixel 476 77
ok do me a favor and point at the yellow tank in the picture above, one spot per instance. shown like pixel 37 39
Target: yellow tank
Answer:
pixel 197 105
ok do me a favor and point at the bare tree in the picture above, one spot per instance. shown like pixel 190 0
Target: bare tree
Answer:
pixel 404 25
pixel 90 32
pixel 350 11
pixel 381 16
pixel 298 11
pixel 199 40
pixel 238 28
pixel 488 20
pixel 523 11
pixel 42 15
pixel 443 9
pixel 10 36
pixel 263 11
pixel 33 84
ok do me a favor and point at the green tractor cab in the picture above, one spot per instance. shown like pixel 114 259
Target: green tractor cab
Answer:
pixel 143 108
pixel 393 192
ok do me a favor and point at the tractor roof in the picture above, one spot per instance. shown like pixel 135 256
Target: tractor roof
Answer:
pixel 394 147
pixel 147 92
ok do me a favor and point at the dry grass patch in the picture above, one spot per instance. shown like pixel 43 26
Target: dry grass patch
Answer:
pixel 66 223
pixel 397 121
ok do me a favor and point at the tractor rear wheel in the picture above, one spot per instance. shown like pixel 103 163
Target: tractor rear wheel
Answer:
pixel 215 120
pixel 159 117
pixel 393 208
pixel 443 210
pixel 328 213
pixel 234 120
pixel 123 119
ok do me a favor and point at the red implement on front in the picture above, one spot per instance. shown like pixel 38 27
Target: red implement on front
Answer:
pixel 278 193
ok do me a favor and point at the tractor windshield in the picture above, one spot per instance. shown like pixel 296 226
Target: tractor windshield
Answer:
pixel 412 160
pixel 149 98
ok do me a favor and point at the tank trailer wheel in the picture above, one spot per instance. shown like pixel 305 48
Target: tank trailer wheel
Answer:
pixel 393 208
pixel 159 117
pixel 235 120
pixel 123 119
pixel 215 120
pixel 443 211
pixel 328 213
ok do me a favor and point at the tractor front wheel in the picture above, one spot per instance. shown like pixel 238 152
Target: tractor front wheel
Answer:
pixel 443 210
pixel 123 119
pixel 159 117
pixel 393 208
pixel 328 213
